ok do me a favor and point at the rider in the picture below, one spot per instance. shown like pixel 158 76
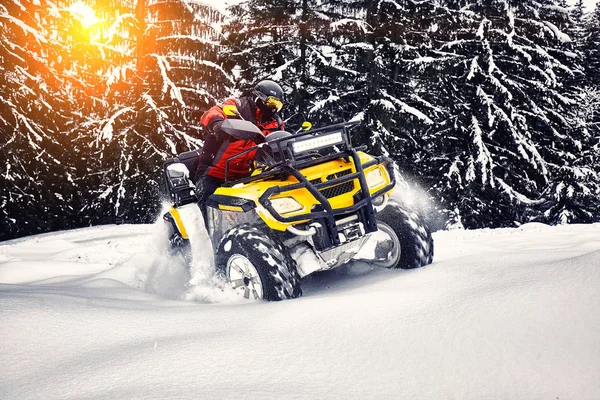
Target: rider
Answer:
pixel 260 106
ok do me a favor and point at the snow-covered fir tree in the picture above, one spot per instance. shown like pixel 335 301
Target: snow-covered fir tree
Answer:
pixel 263 42
pixel 35 117
pixel 339 61
pixel 591 38
pixel 506 87
pixel 397 117
pixel 493 106
pixel 576 31
pixel 308 46
pixel 153 96
pixel 573 194
pixel 95 102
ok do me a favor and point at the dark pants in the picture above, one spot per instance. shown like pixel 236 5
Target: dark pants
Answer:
pixel 205 186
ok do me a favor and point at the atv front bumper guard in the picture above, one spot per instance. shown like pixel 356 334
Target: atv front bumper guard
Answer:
pixel 327 234
pixel 323 216
pixel 327 211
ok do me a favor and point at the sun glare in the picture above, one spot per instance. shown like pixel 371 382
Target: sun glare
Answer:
pixel 84 13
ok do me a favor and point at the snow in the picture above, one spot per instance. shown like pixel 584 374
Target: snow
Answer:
pixel 348 21
pixel 24 27
pixel 360 45
pixel 484 157
pixel 319 105
pixel 513 194
pixel 563 37
pixel 220 5
pixel 474 68
pixel 589 4
pixel 107 129
pixel 423 60
pixel 389 102
pixel 501 313
pixel 179 168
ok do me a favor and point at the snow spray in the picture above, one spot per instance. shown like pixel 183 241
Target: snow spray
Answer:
pixel 409 191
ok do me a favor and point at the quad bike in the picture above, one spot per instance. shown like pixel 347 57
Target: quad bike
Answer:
pixel 311 196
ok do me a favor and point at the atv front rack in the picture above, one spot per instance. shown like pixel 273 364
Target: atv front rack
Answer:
pixel 287 158
pixel 315 190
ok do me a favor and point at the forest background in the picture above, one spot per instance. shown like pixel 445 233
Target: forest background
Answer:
pixel 491 107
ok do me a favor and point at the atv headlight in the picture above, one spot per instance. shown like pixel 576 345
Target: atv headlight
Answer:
pixel 285 205
pixel 318 142
pixel 374 178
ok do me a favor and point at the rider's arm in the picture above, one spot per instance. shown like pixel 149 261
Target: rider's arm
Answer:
pixel 212 120
pixel 214 117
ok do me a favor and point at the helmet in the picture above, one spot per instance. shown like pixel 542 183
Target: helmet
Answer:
pixel 269 96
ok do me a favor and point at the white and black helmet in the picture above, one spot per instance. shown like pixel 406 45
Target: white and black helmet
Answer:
pixel 269 94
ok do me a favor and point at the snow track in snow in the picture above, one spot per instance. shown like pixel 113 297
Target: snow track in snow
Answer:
pixel 501 313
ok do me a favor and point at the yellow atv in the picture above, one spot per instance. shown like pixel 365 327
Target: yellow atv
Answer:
pixel 313 202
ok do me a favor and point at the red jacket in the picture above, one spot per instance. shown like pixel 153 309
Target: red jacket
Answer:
pixel 218 148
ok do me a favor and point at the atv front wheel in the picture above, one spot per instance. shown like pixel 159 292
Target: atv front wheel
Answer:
pixel 257 265
pixel 413 233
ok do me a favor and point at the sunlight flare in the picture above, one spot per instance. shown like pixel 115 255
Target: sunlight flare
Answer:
pixel 84 13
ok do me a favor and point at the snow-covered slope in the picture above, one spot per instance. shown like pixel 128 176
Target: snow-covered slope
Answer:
pixel 500 314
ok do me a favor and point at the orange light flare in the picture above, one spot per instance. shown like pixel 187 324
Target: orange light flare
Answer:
pixel 84 14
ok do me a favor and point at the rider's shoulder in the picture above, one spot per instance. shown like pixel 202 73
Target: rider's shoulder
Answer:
pixel 232 101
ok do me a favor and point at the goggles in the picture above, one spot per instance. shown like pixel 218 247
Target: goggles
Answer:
pixel 274 103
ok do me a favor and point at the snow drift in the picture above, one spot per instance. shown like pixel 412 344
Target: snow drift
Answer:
pixel 102 313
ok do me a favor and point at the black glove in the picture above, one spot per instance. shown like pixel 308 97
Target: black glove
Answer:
pixel 259 138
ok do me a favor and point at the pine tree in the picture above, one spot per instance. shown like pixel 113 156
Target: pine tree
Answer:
pixel 311 47
pixel 338 61
pixel 94 107
pixel 34 117
pixel 573 193
pixel 262 39
pixel 153 90
pixel 279 40
pixel 577 16
pixel 337 82
pixel 591 38
pixel 398 117
pixel 591 53
pixel 505 84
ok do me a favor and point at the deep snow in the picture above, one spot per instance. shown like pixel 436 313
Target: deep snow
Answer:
pixel 500 314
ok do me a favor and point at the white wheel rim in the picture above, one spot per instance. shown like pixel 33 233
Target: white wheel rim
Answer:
pixel 394 254
pixel 243 277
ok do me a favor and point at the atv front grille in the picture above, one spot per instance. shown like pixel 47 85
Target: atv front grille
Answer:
pixel 336 190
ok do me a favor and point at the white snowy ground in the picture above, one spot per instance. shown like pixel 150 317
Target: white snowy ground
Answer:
pixel 500 314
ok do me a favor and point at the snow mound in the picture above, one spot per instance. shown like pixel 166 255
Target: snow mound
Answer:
pixel 501 313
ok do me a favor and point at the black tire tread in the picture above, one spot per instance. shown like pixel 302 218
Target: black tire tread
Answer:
pixel 273 261
pixel 416 241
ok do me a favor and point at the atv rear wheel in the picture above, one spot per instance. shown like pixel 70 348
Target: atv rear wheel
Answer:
pixel 257 265
pixel 414 236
